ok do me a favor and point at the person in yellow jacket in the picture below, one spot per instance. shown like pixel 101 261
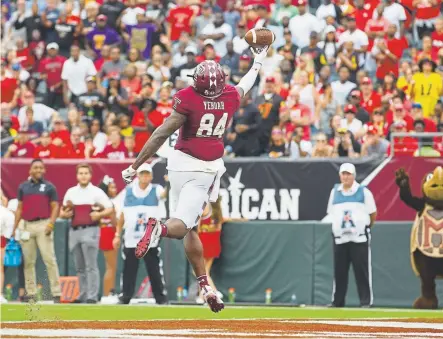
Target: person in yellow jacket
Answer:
pixel 427 86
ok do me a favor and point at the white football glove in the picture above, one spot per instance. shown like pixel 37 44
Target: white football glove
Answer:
pixel 260 55
pixel 128 175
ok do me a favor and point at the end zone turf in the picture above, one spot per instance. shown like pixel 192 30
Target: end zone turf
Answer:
pixel 42 312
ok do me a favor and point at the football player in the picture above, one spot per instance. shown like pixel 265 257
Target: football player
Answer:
pixel 202 112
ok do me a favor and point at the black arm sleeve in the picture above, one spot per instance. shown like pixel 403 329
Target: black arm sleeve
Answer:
pixel 406 196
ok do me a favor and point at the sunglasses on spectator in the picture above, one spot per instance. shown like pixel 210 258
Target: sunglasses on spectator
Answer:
pixel 321 140
pixel 277 132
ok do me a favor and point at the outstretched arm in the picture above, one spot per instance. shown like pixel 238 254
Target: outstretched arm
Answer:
pixel 157 139
pixel 248 81
pixel 402 181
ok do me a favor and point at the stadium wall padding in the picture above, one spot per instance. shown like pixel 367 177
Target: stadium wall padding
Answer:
pixel 288 257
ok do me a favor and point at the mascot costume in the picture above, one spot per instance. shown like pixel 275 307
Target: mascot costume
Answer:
pixel 426 234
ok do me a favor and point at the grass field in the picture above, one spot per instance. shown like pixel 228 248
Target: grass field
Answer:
pixel 23 312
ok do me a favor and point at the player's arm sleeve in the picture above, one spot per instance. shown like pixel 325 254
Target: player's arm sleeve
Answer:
pixel 248 81
pixel 369 202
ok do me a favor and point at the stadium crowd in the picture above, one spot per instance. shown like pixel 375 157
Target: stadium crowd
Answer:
pixel 93 79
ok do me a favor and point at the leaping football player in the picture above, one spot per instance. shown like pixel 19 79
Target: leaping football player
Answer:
pixel 202 112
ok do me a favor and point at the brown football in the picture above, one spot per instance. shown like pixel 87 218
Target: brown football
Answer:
pixel 259 37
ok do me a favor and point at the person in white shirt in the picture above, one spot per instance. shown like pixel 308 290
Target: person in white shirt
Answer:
pixel 220 32
pixel 350 122
pixel 358 37
pixel 303 24
pixel 299 148
pixel 353 211
pixel 395 14
pixel 42 113
pixel 327 8
pixel 240 44
pixel 74 73
pixel 129 15
pixel 85 204
pixel 142 201
pixel 342 87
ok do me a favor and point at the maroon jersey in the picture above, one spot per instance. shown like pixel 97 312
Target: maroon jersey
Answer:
pixel 202 134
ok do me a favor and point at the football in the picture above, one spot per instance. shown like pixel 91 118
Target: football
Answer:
pixel 259 37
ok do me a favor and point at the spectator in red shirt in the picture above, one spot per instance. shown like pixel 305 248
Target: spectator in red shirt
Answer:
pixel 8 86
pixel 164 108
pixel 294 114
pixel 426 12
pixel 24 55
pixel 388 52
pixel 60 132
pixel 378 123
pixel 50 69
pixel 208 52
pixel 403 145
pixel 399 114
pixel 22 148
pixel 75 149
pixel 130 146
pixel 105 56
pixel 376 27
pixel 142 124
pixel 131 82
pixel 46 150
pixel 427 51
pixel 180 19
pixel 6 112
pixel 363 13
pixel 417 114
pixel 370 99
pixel 437 35
pixel 115 149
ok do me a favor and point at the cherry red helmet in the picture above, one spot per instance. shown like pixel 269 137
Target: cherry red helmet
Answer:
pixel 209 79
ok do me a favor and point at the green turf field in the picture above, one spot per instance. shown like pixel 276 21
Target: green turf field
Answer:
pixel 41 312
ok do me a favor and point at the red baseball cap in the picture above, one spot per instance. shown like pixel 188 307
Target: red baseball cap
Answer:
pixel 270 80
pixel 245 57
pixel 301 3
pixel 366 81
pixel 372 130
pixel 399 124
pixel 102 17
pixel 350 109
pixel 356 93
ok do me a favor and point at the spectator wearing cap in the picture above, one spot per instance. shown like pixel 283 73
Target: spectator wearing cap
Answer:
pixel 142 201
pixel 101 35
pixel 117 98
pixel 329 45
pixel 403 146
pixel 342 87
pixel 269 105
pixel 85 204
pixel 374 145
pixel 42 113
pixel 46 149
pixel 289 49
pixel 240 44
pixel 75 70
pixel 231 58
pixel 50 69
pixel 316 52
pixel 350 122
pixel 220 32
pixel 395 14
pixel 243 134
pixel 114 66
pixel 38 208
pixel 115 149
pixel 425 144
pixel 387 52
pixel 355 99
pixel 180 19
pixel 22 147
pixel 417 114
pixel 399 113
pixel 303 24
pixel 285 9
pixel 427 87
pixel 112 9
pixel 370 99
pixel 204 19
pixel 352 210
pixel 187 69
pixel 378 122
pixel 358 38
pixel 437 35
pixel 91 103
pixel 293 114
pixel 243 68
pixel 345 144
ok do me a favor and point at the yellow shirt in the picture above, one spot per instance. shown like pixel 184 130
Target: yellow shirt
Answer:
pixel 127 132
pixel 427 91
pixel 404 85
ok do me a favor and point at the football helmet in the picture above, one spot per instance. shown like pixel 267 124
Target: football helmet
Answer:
pixel 209 79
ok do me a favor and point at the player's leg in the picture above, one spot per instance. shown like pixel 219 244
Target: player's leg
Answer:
pixel 208 266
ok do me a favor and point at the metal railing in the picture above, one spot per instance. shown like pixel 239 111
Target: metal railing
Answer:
pixel 418 136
